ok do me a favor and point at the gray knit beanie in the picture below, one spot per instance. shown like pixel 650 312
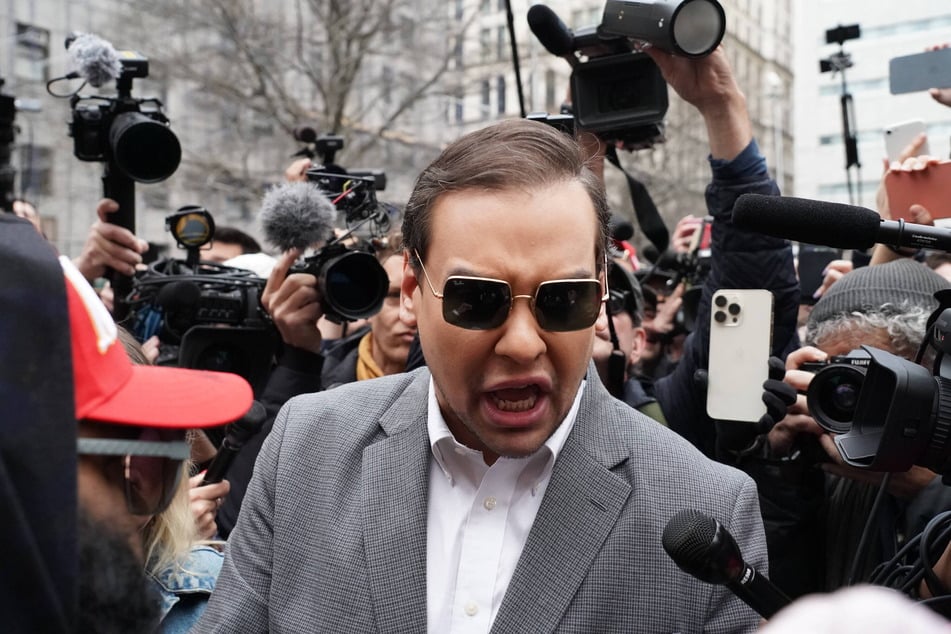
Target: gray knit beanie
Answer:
pixel 902 284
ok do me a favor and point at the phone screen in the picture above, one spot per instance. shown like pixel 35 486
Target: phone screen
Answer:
pixel 813 260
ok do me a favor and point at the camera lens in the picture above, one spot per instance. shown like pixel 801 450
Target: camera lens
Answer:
pixel 354 285
pixel 833 395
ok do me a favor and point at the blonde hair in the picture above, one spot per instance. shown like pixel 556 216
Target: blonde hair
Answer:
pixel 169 537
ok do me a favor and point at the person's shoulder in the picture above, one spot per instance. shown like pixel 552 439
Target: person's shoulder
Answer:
pixel 355 408
pixel 664 452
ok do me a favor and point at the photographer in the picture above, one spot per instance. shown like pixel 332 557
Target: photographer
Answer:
pixel 814 531
pixel 294 303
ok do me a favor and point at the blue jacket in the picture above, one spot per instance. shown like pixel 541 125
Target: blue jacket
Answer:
pixel 740 259
pixel 185 588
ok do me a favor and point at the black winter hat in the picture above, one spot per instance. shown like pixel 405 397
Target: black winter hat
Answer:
pixel 901 284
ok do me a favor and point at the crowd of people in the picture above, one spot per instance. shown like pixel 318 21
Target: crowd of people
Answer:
pixel 499 448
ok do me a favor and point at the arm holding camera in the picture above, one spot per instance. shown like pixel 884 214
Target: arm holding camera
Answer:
pixel 740 259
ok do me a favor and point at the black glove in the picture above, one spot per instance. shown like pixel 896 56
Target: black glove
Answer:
pixel 777 395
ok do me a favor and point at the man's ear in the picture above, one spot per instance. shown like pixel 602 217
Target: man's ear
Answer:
pixel 408 287
pixel 638 343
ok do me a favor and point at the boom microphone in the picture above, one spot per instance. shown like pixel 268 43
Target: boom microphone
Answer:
pixel 94 59
pixel 832 224
pixel 553 34
pixel 236 434
pixel 702 547
pixel 296 215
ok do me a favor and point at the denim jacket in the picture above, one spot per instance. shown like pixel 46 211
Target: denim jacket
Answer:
pixel 185 588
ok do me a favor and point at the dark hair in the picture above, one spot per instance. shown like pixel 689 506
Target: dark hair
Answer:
pixel 511 154
pixel 230 235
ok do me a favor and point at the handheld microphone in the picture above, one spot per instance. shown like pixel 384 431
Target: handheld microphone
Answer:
pixel 236 434
pixel 95 59
pixel 702 547
pixel 553 34
pixel 296 215
pixel 832 224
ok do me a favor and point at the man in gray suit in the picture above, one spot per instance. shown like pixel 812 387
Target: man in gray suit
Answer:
pixel 502 489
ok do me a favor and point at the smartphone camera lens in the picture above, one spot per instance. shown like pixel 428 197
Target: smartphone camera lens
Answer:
pixel 720 301
pixel 734 309
pixel 719 316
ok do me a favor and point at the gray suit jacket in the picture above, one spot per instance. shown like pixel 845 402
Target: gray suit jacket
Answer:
pixel 332 533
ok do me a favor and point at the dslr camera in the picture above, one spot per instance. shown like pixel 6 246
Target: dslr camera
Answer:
pixel 352 283
pixel 131 134
pixel 890 413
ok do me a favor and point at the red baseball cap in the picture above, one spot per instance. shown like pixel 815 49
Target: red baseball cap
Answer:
pixel 111 389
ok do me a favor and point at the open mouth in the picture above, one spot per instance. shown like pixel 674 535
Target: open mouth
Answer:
pixel 515 399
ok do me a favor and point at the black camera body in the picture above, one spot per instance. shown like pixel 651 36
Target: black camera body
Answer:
pixel 617 92
pixel 207 316
pixel 352 282
pixel 131 134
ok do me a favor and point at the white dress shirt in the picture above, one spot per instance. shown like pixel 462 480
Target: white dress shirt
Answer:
pixel 478 521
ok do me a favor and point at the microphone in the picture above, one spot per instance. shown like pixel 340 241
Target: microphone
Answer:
pixel 832 224
pixel 178 295
pixel 553 34
pixel 702 547
pixel 296 215
pixel 95 59
pixel 236 434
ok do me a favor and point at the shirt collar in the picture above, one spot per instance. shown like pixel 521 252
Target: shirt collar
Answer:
pixel 442 441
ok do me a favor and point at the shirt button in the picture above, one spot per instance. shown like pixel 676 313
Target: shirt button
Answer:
pixel 489 503
pixel 471 608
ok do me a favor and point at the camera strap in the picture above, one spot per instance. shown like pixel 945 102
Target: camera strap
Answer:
pixel 648 218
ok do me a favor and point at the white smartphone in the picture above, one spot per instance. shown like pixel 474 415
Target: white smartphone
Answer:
pixel 741 330
pixel 900 135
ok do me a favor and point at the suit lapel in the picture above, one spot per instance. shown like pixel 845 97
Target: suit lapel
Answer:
pixel 581 507
pixel 394 488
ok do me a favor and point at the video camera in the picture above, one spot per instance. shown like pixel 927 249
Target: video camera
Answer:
pixel 207 316
pixel 352 283
pixel 618 92
pixel 890 413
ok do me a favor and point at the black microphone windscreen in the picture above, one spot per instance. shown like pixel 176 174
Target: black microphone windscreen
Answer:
pixel 95 59
pixel 621 228
pixel 805 220
pixel 248 425
pixel 550 30
pixel 296 215
pixel 687 538
pixel 178 295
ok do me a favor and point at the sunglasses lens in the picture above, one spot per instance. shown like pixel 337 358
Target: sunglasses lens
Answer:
pixel 563 306
pixel 476 304
pixel 151 481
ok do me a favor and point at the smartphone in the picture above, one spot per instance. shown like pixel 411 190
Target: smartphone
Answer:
pixel 811 262
pixel 900 136
pixel 930 188
pixel 741 327
pixel 921 71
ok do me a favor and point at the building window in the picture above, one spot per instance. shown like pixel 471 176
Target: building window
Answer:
pixel 485 44
pixel 500 90
pixel 501 43
pixel 486 99
pixel 32 53
pixel 387 87
pixel 36 170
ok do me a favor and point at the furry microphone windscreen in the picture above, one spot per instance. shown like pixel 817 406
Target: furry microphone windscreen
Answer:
pixel 296 215
pixel 95 59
